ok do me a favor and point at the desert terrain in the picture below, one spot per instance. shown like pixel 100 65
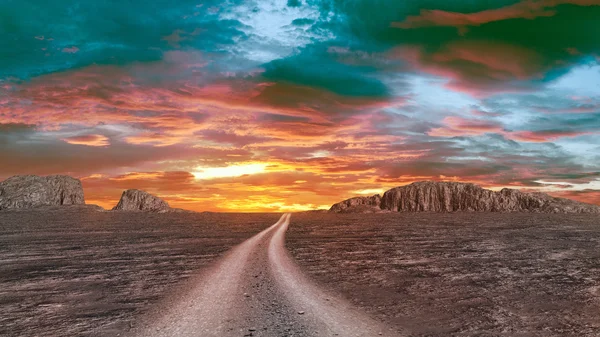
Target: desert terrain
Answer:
pixel 90 273
pixel 461 274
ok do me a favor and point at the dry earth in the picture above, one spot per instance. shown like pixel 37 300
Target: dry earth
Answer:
pixel 79 273
pixel 462 274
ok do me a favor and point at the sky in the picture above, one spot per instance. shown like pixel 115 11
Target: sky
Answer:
pixel 289 105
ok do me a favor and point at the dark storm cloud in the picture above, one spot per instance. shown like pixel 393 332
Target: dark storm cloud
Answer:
pixel 40 37
pixel 315 67
pixel 495 54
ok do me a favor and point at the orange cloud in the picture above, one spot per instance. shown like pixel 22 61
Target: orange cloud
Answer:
pixel 181 112
pixel 88 140
pixel 528 9
pixel 587 196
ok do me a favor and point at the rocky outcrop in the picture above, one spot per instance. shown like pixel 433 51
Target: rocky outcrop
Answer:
pixel 141 201
pixel 87 208
pixel 431 196
pixel 30 191
pixel 358 205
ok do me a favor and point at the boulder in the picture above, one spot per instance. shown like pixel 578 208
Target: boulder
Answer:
pixel 30 191
pixel 429 196
pixel 141 201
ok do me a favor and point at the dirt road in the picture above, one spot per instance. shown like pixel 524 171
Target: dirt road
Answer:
pixel 256 289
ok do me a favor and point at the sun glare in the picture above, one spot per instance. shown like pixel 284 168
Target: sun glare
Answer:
pixel 228 171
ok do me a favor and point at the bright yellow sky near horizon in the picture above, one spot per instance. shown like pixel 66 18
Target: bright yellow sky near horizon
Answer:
pixel 254 187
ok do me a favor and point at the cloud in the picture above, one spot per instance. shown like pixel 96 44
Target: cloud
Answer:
pixel 461 127
pixel 270 29
pixel 177 36
pixel 457 126
pixel 480 60
pixel 478 68
pixel 327 97
pixel 588 196
pixel 294 3
pixel 16 128
pixel 27 150
pixel 108 32
pixel 528 9
pixel 88 140
pixel 237 140
pixel 314 67
pixel 545 135
pixel 70 50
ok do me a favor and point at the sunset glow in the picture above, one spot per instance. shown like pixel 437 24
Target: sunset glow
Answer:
pixel 228 171
pixel 294 105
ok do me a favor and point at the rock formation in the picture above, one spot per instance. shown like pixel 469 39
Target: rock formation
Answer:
pixel 137 200
pixel 32 191
pixel 358 205
pixel 431 196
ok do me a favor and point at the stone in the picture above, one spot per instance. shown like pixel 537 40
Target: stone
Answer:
pixel 429 196
pixel 31 191
pixel 141 201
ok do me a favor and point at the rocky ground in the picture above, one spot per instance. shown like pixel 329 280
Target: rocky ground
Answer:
pixel 471 274
pixel 66 273
pixel 468 274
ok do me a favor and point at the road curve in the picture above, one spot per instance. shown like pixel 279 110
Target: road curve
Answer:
pixel 256 289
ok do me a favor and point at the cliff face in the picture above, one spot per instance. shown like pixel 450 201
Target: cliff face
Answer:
pixel 32 191
pixel 137 200
pixel 452 197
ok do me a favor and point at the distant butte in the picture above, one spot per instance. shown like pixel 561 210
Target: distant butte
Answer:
pixel 429 196
pixel 137 200
pixel 31 191
pixel 141 201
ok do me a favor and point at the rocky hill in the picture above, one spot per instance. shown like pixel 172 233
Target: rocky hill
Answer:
pixel 358 205
pixel 431 196
pixel 30 191
pixel 141 201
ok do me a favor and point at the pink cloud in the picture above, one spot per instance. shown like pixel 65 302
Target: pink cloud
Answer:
pixel 71 50
pixel 478 68
pixel 528 9
pixel 457 126
pixel 544 136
